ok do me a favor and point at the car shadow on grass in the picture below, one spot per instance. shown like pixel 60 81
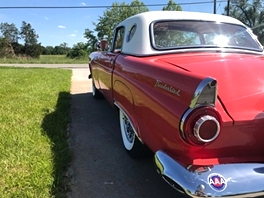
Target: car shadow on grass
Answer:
pixel 55 126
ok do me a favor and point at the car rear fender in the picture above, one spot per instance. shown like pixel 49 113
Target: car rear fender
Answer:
pixel 123 100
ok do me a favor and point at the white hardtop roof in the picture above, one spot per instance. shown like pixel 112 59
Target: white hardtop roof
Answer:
pixel 182 15
pixel 140 44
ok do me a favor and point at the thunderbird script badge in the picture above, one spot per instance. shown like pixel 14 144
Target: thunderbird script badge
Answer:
pixel 169 88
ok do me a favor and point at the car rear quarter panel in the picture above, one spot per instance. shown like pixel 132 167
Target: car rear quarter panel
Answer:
pixel 155 111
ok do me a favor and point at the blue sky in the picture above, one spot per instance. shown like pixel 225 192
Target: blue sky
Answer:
pixel 55 26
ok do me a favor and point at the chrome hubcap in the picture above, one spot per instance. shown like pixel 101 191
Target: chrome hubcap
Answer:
pixel 130 134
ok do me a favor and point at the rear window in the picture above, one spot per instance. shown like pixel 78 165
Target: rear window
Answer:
pixel 195 34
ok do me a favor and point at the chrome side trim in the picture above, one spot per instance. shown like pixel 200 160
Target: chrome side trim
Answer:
pixel 241 180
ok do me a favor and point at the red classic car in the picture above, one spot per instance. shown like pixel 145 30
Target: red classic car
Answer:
pixel 190 88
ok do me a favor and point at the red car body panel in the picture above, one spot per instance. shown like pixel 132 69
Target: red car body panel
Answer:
pixel 102 72
pixel 239 77
pixel 158 111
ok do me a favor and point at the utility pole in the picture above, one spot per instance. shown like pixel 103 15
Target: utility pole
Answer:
pixel 228 7
pixel 214 6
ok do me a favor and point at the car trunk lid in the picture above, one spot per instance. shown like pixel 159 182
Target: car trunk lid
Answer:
pixel 240 79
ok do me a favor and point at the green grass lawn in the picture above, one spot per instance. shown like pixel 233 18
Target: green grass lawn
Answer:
pixel 34 114
pixel 46 59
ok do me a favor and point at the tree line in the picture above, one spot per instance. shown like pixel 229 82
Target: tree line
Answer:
pixel 9 45
pixel 250 12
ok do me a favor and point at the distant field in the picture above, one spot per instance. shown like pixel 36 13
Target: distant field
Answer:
pixel 35 113
pixel 46 59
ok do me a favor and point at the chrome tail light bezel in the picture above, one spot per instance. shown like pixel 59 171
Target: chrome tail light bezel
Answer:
pixel 190 124
pixel 198 125
pixel 201 110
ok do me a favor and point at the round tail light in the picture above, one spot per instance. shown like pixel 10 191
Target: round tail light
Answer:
pixel 200 125
pixel 206 128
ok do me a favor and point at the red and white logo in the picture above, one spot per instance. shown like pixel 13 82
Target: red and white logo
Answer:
pixel 217 182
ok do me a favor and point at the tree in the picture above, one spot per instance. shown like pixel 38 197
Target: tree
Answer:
pixel 48 50
pixel 4 49
pixel 18 48
pixel 60 50
pixel 251 13
pixel 136 7
pixel 31 46
pixel 114 15
pixel 78 51
pixel 172 6
pixel 91 39
pixel 10 35
pixel 32 51
pixel 28 34
pixel 64 47
pixel 110 19
pixel 9 45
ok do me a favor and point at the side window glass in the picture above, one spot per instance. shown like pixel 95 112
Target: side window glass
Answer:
pixel 131 32
pixel 119 39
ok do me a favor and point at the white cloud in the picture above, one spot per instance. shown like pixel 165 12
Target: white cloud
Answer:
pixel 61 26
pixel 72 35
pixel 84 4
pixel 47 18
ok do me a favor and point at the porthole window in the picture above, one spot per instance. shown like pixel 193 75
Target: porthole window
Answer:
pixel 118 39
pixel 131 32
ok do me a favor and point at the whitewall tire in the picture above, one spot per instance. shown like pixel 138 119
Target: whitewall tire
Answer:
pixel 132 144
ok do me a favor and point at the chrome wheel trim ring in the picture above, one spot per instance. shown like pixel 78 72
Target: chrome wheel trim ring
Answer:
pixel 127 131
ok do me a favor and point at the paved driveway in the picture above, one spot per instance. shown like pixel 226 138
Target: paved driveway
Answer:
pixel 100 166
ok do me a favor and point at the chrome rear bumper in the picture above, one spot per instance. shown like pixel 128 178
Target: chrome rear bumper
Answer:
pixel 223 180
